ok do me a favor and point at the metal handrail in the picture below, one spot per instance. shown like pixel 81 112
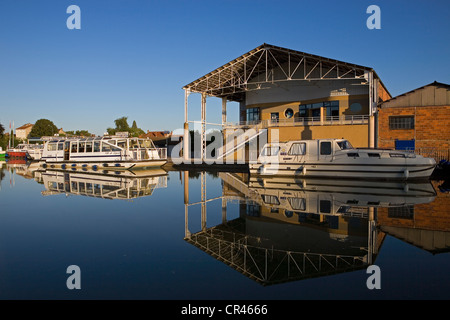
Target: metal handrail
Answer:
pixel 302 121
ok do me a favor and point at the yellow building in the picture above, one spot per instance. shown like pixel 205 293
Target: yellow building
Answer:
pixel 287 95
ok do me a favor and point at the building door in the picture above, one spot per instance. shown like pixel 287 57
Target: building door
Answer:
pixel 405 144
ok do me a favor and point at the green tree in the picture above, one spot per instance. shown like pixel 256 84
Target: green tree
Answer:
pixel 43 127
pixel 2 130
pixel 122 126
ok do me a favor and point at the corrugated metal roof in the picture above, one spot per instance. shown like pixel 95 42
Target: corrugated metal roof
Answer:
pixel 432 94
pixel 232 79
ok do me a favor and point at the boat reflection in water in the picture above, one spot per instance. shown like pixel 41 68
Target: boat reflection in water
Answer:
pixel 108 185
pixel 293 229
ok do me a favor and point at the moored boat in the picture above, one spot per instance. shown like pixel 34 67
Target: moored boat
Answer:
pixel 17 152
pixel 336 158
pixel 102 153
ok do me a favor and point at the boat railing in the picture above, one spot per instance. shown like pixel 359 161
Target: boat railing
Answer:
pixel 162 153
pixel 149 154
pixel 435 153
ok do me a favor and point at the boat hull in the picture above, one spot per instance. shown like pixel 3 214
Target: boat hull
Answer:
pixel 104 165
pixel 17 154
pixel 350 170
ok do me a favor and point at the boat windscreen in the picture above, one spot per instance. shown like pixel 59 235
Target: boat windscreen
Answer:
pixel 146 143
pixel 270 151
pixel 344 144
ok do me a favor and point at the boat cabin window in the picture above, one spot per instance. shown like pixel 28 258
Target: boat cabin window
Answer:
pixel 297 149
pixel 297 203
pixel 122 144
pixel 146 143
pixel 325 148
pixel 106 147
pixel 52 147
pixel 271 151
pixel 325 206
pixel 88 146
pixel 61 146
pixel 270 199
pixel 134 144
pixel 96 146
pixel 344 145
pixel 81 146
pixel 74 147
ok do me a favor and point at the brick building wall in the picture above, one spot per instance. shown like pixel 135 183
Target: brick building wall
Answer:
pixel 431 130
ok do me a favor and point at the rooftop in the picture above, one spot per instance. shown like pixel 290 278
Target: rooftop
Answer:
pixel 250 70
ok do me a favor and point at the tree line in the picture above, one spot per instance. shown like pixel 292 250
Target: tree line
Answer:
pixel 45 127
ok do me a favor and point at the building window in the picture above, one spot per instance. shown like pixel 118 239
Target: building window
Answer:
pixel 289 113
pixel 401 122
pixel 405 212
pixel 253 114
pixel 332 108
pixel 274 116
pixel 303 110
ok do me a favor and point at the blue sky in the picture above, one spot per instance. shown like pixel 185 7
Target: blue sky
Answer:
pixel 132 57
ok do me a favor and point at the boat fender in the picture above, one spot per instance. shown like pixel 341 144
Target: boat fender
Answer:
pixel 63 166
pixel 44 165
pixel 406 173
pixel 94 167
pixel 406 188
pixel 304 170
pixel 74 165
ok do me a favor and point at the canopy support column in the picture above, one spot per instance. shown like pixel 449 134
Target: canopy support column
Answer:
pixel 203 127
pixel 186 127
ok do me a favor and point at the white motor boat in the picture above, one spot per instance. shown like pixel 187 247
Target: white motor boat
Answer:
pixel 336 158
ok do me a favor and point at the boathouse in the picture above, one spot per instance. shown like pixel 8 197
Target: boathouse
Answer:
pixel 418 120
pixel 283 95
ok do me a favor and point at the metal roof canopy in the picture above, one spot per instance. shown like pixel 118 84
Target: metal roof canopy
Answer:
pixel 252 69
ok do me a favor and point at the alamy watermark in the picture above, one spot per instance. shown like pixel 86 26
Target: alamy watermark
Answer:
pixel 74 280
pixel 74 20
pixel 374 280
pixel 374 20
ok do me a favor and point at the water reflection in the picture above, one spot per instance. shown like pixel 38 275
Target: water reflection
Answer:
pixel 292 229
pixel 84 182
pixel 425 225
pixel 125 185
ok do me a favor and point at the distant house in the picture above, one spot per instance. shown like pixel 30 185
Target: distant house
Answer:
pixel 23 131
pixel 61 131
pixel 417 120
pixel 157 136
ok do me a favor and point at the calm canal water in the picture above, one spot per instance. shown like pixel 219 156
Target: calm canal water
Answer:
pixel 219 235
